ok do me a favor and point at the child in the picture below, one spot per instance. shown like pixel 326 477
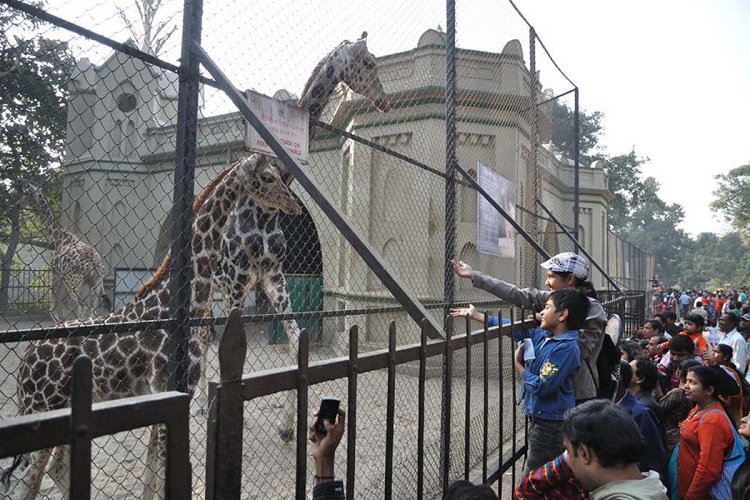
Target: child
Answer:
pixel 694 324
pixel 680 348
pixel 548 378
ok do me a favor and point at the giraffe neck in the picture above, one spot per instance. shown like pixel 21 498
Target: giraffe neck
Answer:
pixel 320 86
pixel 210 219
pixel 59 235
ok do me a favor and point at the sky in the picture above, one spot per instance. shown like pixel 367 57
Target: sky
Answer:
pixel 670 76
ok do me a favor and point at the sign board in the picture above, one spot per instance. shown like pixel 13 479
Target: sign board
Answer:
pixel 495 235
pixel 288 123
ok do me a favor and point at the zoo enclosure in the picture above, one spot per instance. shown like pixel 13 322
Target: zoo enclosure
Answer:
pixel 386 172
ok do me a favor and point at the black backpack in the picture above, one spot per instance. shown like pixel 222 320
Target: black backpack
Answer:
pixel 608 368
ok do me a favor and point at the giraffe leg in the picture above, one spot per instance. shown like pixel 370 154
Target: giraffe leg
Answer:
pixel 153 477
pixel 54 297
pixel 73 283
pixel 274 285
pixel 202 398
pixel 31 479
pixel 59 470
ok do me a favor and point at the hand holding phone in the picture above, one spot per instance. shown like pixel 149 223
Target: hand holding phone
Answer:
pixel 329 408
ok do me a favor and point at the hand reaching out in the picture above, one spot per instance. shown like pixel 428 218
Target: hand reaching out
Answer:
pixel 462 269
pixel 463 312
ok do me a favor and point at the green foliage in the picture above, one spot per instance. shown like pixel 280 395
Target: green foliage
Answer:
pixel 624 178
pixel 651 225
pixel 713 259
pixel 741 277
pixel 34 73
pixel 733 199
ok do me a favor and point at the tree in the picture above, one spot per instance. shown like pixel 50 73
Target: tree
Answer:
pixel 153 35
pixel 733 198
pixel 34 73
pixel 714 258
pixel 624 172
pixel 651 225
pixel 562 119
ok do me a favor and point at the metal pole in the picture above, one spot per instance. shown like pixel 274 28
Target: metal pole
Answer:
pixel 450 230
pixel 181 271
pixel 450 155
pixel 534 118
pixel 577 182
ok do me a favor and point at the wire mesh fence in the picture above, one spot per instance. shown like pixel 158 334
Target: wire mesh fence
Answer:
pixel 100 144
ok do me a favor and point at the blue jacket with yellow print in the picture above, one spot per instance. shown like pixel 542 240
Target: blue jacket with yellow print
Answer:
pixel 548 378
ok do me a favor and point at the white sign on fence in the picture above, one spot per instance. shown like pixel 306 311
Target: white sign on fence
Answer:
pixel 288 123
pixel 495 235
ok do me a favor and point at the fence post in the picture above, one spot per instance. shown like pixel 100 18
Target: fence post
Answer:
pixel 225 424
pixel 80 430
pixel 445 413
pixel 303 362
pixel 181 270
pixel 533 83
pixel 450 155
pixel 351 436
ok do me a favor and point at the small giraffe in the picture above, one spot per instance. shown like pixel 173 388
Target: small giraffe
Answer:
pixel 253 247
pixel 131 364
pixel 75 263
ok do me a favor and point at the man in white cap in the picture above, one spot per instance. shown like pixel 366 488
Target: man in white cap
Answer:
pixel 564 270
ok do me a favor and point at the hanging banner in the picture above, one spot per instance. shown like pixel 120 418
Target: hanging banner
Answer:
pixel 495 235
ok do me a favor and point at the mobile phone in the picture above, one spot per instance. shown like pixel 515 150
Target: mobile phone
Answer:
pixel 329 408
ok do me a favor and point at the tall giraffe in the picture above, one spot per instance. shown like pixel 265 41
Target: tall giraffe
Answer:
pixel 74 264
pixel 253 247
pixel 131 364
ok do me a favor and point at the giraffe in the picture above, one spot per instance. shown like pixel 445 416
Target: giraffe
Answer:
pixel 74 264
pixel 253 247
pixel 130 364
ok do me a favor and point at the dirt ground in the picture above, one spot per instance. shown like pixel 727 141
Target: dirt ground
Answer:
pixel 269 464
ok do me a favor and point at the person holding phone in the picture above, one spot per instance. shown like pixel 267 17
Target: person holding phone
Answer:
pixel 323 449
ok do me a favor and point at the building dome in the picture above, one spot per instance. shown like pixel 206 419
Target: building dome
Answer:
pixel 431 37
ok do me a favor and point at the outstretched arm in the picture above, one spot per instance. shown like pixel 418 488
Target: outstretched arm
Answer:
pixel 522 297
pixel 471 312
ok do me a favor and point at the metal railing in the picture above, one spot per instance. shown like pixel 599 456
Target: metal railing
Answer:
pixel 78 425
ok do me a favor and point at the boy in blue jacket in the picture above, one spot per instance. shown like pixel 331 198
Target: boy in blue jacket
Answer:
pixel 547 373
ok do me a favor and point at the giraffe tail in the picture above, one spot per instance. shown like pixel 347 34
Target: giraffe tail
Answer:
pixel 8 473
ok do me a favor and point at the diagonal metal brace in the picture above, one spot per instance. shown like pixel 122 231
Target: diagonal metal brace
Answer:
pixel 302 174
pixel 580 247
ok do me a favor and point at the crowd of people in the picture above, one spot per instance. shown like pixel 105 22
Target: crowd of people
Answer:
pixel 673 423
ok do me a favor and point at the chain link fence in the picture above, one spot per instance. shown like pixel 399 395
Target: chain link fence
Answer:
pixel 103 195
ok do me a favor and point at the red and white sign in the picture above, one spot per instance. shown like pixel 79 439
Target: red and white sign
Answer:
pixel 288 123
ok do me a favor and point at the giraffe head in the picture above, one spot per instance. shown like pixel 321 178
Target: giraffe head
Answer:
pixel 30 190
pixel 359 71
pixel 265 184
pixel 351 64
